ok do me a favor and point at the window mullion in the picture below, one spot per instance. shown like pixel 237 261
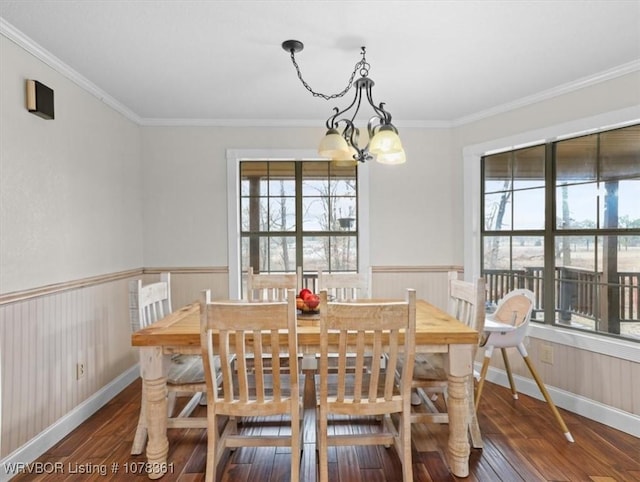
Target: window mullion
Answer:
pixel 548 281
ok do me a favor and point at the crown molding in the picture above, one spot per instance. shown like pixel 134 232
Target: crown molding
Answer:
pixel 59 66
pixel 52 61
pixel 610 74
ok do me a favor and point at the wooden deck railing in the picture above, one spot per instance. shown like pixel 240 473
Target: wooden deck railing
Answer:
pixel 577 291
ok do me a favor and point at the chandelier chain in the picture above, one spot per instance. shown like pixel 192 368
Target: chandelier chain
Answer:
pixel 362 66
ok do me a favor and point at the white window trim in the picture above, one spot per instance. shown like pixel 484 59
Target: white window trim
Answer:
pixel 234 156
pixel 472 222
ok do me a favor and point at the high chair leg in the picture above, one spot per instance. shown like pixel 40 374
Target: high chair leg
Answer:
pixel 547 397
pixel 507 367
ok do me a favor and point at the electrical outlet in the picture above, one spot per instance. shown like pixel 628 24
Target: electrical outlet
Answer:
pixel 79 370
pixel 546 353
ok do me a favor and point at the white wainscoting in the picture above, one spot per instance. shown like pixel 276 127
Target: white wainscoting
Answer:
pixel 46 332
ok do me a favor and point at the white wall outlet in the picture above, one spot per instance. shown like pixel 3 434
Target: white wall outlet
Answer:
pixel 79 370
pixel 546 353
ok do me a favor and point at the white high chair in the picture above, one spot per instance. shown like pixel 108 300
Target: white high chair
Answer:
pixel 506 328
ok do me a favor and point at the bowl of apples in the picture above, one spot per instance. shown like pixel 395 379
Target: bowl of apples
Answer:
pixel 307 301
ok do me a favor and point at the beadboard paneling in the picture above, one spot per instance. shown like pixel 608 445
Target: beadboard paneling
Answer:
pixel 46 332
pixel 430 282
pixel 43 338
pixel 602 378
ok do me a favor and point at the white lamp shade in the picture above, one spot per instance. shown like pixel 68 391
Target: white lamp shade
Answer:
pixel 349 159
pixel 333 146
pixel 385 141
pixel 398 157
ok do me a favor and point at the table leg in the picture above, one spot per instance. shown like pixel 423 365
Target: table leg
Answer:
pixel 460 369
pixel 154 369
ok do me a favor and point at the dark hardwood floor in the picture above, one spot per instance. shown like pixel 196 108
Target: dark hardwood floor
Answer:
pixel 521 443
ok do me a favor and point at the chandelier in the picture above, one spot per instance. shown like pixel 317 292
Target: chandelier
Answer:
pixel 341 142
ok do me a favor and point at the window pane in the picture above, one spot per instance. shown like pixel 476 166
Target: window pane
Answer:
pixel 528 167
pixel 344 253
pixel 253 178
pixel 620 205
pixel 254 214
pixel 576 280
pixel 527 264
pixel 282 254
pixel 315 178
pixel 315 214
pixel 343 180
pixel 343 214
pixel 315 253
pixel 497 211
pixel 576 160
pixel 497 172
pixel 576 252
pixel 497 252
pixel 620 153
pixel 576 206
pixel 282 179
pixel 282 214
pixel 528 209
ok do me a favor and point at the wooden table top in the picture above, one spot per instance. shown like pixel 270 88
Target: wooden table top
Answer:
pixel 182 328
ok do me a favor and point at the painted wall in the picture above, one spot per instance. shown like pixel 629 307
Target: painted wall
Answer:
pixel 185 186
pixel 70 201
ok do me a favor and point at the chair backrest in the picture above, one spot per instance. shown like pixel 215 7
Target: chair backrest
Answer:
pixel 149 303
pixel 344 286
pixel 270 287
pixel 233 330
pixel 515 308
pixel 367 331
pixel 466 301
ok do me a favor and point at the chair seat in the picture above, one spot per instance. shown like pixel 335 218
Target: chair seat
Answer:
pixel 429 366
pixel 496 326
pixel 185 369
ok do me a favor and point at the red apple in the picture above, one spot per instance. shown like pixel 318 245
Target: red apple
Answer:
pixel 304 293
pixel 312 301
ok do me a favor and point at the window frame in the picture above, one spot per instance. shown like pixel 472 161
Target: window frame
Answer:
pixel 503 164
pixel 234 157
pixel 471 157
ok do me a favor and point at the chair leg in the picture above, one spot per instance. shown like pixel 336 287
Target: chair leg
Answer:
pixel 507 366
pixel 321 436
pixel 405 443
pixel 483 374
pixel 547 397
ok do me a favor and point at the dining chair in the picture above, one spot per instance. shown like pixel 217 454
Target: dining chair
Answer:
pixel 148 304
pixel 230 330
pixel 507 328
pixel 342 286
pixel 270 286
pixel 366 330
pixel 466 304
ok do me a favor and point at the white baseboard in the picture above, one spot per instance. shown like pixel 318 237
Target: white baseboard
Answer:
pixel 613 417
pixel 46 439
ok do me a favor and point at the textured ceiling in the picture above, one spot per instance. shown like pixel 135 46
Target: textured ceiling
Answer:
pixel 432 61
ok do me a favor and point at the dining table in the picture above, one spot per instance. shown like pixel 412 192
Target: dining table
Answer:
pixel 179 333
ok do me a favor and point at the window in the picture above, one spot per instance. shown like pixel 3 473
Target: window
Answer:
pixel 298 214
pixel 563 219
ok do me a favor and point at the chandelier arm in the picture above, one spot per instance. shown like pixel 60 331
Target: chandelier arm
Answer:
pixel 331 121
pixel 384 115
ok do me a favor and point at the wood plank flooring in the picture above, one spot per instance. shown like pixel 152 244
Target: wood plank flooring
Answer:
pixel 521 443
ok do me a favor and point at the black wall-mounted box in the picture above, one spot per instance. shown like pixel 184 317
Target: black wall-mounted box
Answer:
pixel 39 99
